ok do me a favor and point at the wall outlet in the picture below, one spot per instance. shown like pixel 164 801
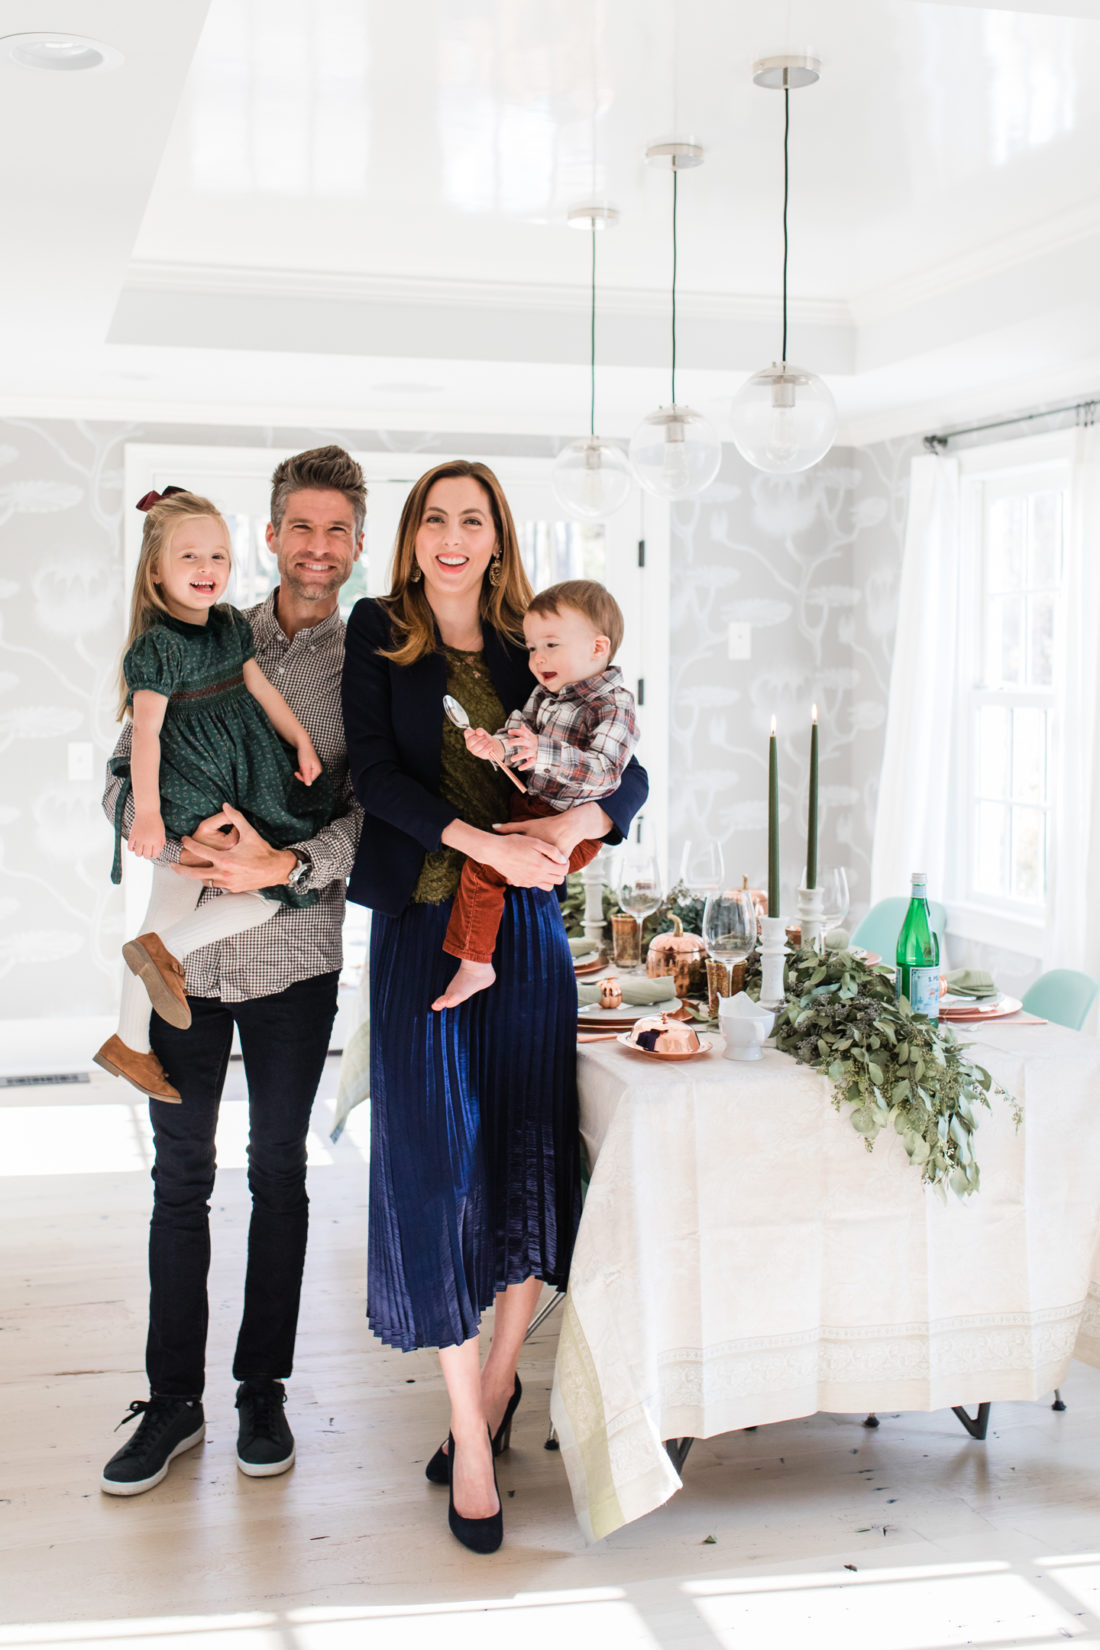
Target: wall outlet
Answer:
pixel 81 760
pixel 740 639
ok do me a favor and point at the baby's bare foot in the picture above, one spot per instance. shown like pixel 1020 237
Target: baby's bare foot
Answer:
pixel 471 978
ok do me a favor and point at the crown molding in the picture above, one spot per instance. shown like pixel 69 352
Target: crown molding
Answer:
pixel 218 280
pixel 1007 253
pixel 942 414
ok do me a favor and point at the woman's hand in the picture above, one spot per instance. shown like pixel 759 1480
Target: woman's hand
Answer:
pixel 146 837
pixel 525 862
pixel 585 823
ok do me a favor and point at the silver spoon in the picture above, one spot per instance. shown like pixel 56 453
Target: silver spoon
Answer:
pixel 461 720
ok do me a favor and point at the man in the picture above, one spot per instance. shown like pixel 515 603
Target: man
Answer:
pixel 277 985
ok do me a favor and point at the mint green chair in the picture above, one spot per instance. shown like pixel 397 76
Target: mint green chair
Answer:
pixel 1063 995
pixel 881 926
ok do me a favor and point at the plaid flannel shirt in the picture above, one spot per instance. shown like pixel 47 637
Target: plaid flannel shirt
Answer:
pixel 586 733
pixel 298 942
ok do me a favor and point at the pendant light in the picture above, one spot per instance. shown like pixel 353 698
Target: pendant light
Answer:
pixel 675 451
pixel 784 418
pixel 591 478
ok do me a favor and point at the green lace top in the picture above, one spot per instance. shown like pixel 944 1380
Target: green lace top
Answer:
pixel 479 794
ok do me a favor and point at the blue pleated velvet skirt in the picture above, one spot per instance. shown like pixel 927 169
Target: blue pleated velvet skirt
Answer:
pixel 474 1162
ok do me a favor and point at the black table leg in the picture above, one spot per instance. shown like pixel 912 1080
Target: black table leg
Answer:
pixel 678 1451
pixel 976 1425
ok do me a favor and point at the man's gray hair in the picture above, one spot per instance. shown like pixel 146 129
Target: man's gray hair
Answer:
pixel 324 468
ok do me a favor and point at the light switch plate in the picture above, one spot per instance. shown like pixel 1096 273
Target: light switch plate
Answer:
pixel 740 639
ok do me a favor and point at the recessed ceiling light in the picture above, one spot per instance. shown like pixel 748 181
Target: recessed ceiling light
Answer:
pixel 65 52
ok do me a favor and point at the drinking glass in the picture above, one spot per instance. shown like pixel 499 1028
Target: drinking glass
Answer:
pixel 639 883
pixel 730 925
pixel 835 898
pixel 701 868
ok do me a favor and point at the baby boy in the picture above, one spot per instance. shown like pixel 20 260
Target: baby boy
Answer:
pixel 574 737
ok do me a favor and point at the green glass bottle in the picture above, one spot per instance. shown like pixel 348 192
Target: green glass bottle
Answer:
pixel 918 955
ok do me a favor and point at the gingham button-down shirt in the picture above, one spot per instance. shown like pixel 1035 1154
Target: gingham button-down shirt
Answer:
pixel 586 732
pixel 297 943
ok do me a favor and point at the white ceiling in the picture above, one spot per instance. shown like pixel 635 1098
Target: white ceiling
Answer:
pixel 354 211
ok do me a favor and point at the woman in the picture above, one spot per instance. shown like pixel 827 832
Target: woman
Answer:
pixel 474 1149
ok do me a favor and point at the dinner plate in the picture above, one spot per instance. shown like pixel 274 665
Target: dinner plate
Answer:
pixel 971 1012
pixel 658 1054
pixel 593 966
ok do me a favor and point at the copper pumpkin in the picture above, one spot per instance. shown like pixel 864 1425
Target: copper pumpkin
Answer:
pixel 684 956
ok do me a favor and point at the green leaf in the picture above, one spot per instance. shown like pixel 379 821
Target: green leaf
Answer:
pixel 874 1072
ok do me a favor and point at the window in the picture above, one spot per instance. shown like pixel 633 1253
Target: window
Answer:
pixel 1014 518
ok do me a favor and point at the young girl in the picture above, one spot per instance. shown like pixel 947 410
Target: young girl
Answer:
pixel 208 729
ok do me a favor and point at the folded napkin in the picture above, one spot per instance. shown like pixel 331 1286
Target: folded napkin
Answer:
pixel 638 993
pixel 582 947
pixel 971 982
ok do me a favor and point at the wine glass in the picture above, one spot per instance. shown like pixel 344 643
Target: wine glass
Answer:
pixel 639 882
pixel 730 925
pixel 835 898
pixel 701 867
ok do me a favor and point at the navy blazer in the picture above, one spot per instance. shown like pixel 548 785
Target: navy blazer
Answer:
pixel 393 718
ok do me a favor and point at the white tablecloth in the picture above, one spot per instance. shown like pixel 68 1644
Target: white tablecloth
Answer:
pixel 743 1259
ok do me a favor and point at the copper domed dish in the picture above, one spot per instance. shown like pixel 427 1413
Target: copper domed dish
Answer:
pixel 664 1039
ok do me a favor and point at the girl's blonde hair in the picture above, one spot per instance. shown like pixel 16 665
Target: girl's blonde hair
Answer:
pixel 147 605
pixel 501 605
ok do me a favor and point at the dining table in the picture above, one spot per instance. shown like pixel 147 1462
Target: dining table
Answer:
pixel 743 1259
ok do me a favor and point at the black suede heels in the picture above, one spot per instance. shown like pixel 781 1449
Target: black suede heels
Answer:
pixel 438 1471
pixel 480 1535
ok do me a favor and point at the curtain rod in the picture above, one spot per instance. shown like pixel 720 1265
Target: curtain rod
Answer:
pixel 938 443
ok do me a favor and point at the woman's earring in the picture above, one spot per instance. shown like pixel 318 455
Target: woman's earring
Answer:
pixel 416 575
pixel 495 573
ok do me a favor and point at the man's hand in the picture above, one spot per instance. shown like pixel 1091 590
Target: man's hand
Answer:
pixel 243 866
pixel 523 747
pixel 480 743
pixel 146 838
pixel 585 823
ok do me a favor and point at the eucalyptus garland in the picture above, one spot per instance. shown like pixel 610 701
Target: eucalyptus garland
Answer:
pixel 890 1067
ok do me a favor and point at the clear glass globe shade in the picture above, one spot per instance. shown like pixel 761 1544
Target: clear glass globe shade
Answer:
pixel 591 479
pixel 675 452
pixel 783 419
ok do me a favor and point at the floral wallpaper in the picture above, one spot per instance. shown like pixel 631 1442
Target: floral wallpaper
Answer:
pixel 812 563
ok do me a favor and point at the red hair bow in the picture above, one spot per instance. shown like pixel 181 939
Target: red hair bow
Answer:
pixel 147 502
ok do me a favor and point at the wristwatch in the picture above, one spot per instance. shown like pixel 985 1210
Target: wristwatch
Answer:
pixel 300 875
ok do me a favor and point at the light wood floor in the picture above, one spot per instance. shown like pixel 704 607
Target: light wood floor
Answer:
pixel 911 1538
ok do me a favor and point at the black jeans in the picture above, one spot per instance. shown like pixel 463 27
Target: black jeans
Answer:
pixel 284 1041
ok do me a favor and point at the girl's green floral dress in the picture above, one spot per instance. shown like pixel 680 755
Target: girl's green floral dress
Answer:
pixel 216 743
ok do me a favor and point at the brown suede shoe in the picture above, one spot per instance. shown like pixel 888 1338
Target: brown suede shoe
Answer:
pixel 144 1071
pixel 162 976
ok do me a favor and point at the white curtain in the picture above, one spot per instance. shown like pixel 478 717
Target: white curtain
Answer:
pixel 915 804
pixel 1073 910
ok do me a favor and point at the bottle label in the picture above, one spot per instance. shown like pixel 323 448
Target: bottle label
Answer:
pixel 924 992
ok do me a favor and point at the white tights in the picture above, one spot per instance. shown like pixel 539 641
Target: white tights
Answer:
pixel 184 926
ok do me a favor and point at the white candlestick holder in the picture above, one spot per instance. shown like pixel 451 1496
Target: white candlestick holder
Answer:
pixel 595 928
pixel 812 918
pixel 773 950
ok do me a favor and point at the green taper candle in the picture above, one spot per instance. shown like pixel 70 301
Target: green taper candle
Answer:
pixel 773 826
pixel 811 823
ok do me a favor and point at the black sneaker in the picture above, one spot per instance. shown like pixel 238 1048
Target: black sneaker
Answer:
pixel 168 1427
pixel 265 1443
